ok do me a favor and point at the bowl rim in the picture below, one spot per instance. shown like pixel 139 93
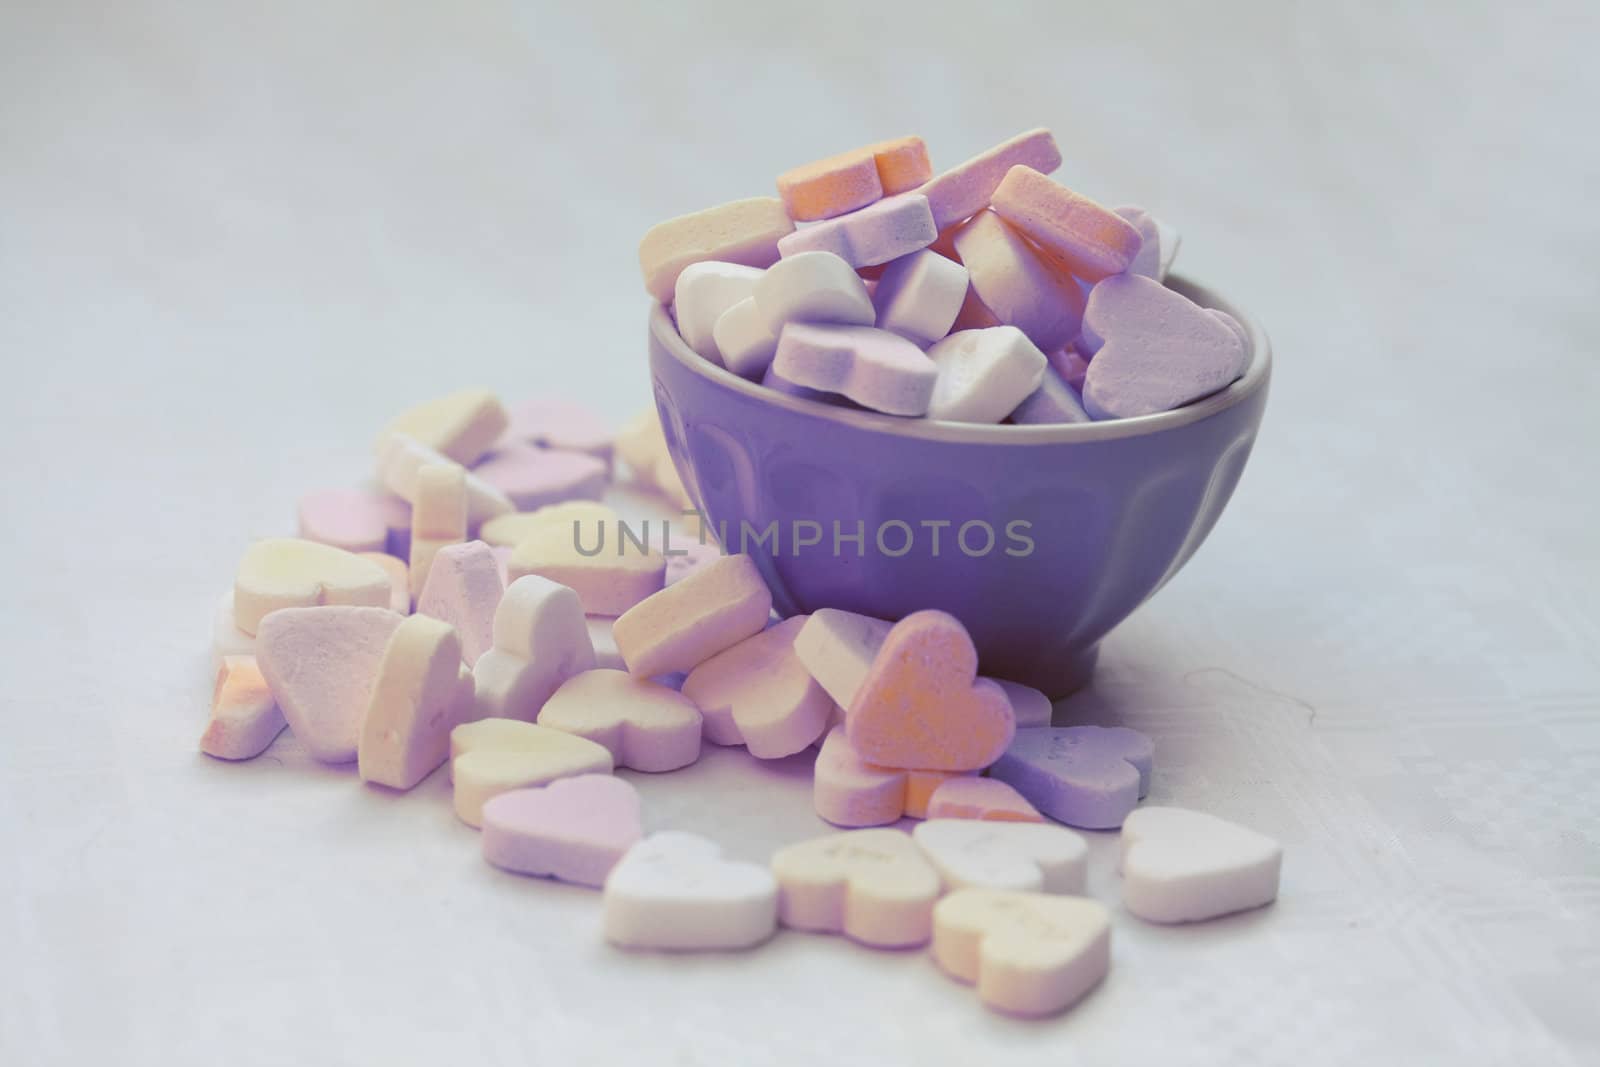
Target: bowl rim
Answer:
pixel 1257 372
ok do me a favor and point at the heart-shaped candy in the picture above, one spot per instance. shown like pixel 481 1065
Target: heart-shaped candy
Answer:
pixel 874 886
pixel 965 189
pixel 609 575
pixel 743 341
pixel 984 374
pixel 744 231
pixel 244 717
pixel 560 424
pixel 422 692
pixel 541 639
pixel 759 684
pixel 573 830
pixel 1029 953
pixel 882 231
pixel 679 628
pixel 1038 857
pixel 812 287
pixel 1086 776
pixel 538 477
pixel 1078 235
pixel 1158 350
pixel 321 664
pixel 493 756
pixel 438 518
pixel 984 799
pixel 848 791
pixel 922 705
pixel 702 293
pixel 838 648
pixel 875 368
pixel 463 589
pixel 1184 866
pixel 838 184
pixel 1015 283
pixel 675 891
pixel 355 520
pixel 461 425
pixel 920 295
pixel 286 572
pixel 644 725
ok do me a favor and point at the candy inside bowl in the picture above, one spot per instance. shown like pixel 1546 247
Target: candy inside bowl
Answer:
pixel 1040 539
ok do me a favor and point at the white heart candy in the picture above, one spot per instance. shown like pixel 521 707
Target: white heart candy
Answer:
pixel 540 640
pixel 675 891
pixel 464 589
pixel 1185 866
pixel 984 374
pixel 703 292
pixel 758 692
pixel 1037 857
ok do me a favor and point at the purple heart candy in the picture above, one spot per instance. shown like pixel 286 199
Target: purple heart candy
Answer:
pixel 1085 776
pixel 1154 349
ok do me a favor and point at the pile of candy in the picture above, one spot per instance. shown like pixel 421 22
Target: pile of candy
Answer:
pixel 536 668
pixel 986 294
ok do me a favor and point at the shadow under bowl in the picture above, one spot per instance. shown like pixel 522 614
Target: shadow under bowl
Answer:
pixel 1040 539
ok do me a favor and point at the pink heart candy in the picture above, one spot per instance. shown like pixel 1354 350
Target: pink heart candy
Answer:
pixel 921 704
pixel 536 477
pixel 1157 349
pixel 464 587
pixel 560 425
pixel 355 520
pixel 875 368
pixel 321 664
pixel 574 829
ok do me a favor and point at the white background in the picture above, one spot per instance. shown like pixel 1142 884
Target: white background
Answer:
pixel 236 237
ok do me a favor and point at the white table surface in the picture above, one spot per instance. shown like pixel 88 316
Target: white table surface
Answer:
pixel 235 237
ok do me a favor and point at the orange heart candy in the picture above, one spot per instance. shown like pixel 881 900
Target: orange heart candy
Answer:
pixel 922 706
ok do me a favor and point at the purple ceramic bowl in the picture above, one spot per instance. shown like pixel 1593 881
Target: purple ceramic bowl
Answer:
pixel 1112 509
